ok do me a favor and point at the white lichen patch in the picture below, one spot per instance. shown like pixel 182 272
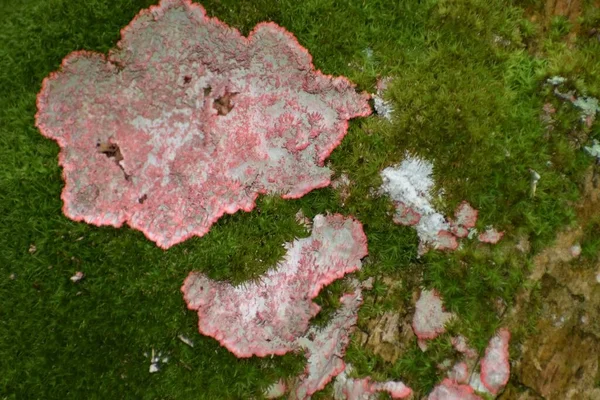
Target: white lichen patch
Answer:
pixel 491 235
pixel 346 388
pixel 495 365
pixel 410 185
pixel 383 107
pixel 588 107
pixel 325 347
pixel 459 373
pixel 430 318
pixel 477 385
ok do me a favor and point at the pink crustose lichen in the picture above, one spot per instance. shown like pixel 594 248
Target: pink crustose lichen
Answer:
pixel 410 186
pixel 465 219
pixel 186 120
pixel 449 390
pixel 491 235
pixel 430 318
pixel 325 348
pixel 495 366
pixel 268 316
pixel 346 388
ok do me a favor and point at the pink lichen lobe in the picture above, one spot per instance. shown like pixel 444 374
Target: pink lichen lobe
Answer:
pixel 449 390
pixel 410 186
pixel 187 120
pixel 491 235
pixel 465 218
pixel 268 316
pixel 430 318
pixel 325 348
pixel 346 388
pixel 495 366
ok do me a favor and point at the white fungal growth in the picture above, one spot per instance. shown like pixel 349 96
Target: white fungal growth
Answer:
pixel 346 388
pixel 383 107
pixel 588 106
pixel 410 183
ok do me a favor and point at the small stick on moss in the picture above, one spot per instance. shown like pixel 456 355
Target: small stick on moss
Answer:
pixel 535 177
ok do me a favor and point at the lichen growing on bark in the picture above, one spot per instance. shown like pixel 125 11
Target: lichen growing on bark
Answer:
pixel 266 317
pixel 346 388
pixel 186 120
pixel 449 390
pixel 326 347
pixel 430 317
pixel 410 186
pixel 495 366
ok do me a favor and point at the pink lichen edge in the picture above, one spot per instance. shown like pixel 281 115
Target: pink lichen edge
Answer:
pixel 325 348
pixel 491 235
pixel 266 317
pixel 495 366
pixel 183 162
pixel 430 317
pixel 346 388
pixel 397 390
pixel 449 390
pixel 409 185
pixel 351 389
pixel 465 218
pixel 477 385
pixel 405 215
pixel 445 241
pixel 465 215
